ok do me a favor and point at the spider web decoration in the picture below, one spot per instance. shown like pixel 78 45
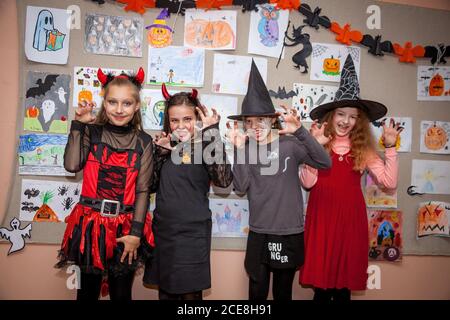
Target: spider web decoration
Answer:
pixel 318 50
pixel 349 86
pixel 354 52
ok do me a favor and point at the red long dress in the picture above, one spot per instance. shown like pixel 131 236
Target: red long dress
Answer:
pixel 336 230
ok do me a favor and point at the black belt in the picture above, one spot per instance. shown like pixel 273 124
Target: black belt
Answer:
pixel 107 208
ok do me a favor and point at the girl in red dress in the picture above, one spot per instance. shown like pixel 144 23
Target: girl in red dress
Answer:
pixel 336 231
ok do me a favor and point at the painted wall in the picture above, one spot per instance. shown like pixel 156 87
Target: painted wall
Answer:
pixel 30 274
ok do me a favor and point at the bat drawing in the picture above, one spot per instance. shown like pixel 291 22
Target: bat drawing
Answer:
pixel 313 18
pixel 376 47
pixel 282 94
pixel 42 87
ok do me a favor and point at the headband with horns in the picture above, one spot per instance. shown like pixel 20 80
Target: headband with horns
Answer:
pixel 167 95
pixel 137 79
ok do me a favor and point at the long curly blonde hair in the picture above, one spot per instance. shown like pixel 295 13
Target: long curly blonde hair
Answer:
pixel 361 139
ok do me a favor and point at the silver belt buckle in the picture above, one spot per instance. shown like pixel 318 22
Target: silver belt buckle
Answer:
pixel 109 214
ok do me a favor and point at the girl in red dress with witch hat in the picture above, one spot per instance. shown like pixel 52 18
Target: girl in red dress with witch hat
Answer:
pixel 108 233
pixel 336 231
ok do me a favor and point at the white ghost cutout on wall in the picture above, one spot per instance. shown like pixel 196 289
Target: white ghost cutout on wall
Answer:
pixel 16 235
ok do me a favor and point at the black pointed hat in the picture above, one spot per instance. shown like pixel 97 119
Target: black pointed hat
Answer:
pixel 257 102
pixel 348 96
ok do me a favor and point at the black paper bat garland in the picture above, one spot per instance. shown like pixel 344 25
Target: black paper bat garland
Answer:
pixel 376 47
pixel 282 94
pixel 313 18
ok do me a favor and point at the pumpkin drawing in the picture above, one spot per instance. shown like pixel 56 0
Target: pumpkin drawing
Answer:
pixel 84 95
pixel 436 87
pixel 159 37
pixel 331 66
pixel 435 138
pixel 32 112
pixel 208 34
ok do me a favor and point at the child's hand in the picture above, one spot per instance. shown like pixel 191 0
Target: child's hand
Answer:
pixel 131 244
pixel 84 112
pixel 207 119
pixel 319 133
pixel 236 136
pixel 391 133
pixel 163 140
pixel 291 121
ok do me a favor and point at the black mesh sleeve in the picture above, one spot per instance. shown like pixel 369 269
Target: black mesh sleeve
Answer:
pixel 77 148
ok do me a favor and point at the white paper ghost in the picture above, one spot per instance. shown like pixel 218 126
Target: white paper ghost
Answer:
pixel 16 235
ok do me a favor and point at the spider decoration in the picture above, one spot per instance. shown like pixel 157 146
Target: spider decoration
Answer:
pixel 76 192
pixel 67 203
pixel 63 190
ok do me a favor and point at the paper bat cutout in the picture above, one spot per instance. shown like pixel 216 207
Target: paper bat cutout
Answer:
pixel 438 52
pixel 298 37
pixel 248 5
pixel 286 4
pixel 137 5
pixel 16 235
pixel 376 47
pixel 42 87
pixel 313 18
pixel 213 4
pixel 345 35
pixel 281 94
pixel 174 5
pixel 409 53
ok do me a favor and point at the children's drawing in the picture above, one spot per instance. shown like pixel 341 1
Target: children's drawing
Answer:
pixel 152 108
pixel 403 143
pixel 119 36
pixel 42 154
pixel 16 235
pixel 87 86
pixel 176 66
pixel 431 176
pixel 385 235
pixel 309 96
pixel 433 218
pixel 46 106
pixel 47 35
pixel 211 30
pixel 231 73
pixel 229 217
pixel 378 197
pixel 435 137
pixel 327 61
pixel 267 27
pixel 433 83
pixel 47 201
pixel 159 33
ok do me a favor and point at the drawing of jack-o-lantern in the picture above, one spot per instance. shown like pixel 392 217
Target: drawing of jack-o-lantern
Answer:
pixel 331 66
pixel 436 87
pixel 85 95
pixel 159 34
pixel 432 217
pixel 435 138
pixel 209 34
pixel 32 112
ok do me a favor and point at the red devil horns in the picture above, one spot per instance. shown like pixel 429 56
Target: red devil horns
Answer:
pixel 102 77
pixel 140 75
pixel 194 94
pixel 165 93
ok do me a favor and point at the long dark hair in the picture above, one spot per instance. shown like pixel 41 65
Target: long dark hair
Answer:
pixel 136 121
pixel 178 99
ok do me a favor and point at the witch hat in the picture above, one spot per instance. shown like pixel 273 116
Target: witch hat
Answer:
pixel 348 96
pixel 160 21
pixel 257 102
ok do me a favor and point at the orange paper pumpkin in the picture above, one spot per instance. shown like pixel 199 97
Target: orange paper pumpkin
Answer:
pixel 331 66
pixel 436 87
pixel 435 138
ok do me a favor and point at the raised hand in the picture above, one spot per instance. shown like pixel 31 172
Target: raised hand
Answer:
pixel 236 136
pixel 291 120
pixel 319 132
pixel 163 140
pixel 131 244
pixel 84 112
pixel 391 133
pixel 207 119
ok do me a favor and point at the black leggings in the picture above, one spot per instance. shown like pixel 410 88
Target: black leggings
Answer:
pixel 163 295
pixel 338 295
pixel 119 287
pixel 281 286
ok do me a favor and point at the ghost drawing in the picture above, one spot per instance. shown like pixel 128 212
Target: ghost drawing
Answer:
pixel 44 25
pixel 16 235
pixel 61 94
pixel 48 110
pixel 268 26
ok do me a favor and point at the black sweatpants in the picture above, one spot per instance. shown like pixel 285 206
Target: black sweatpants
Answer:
pixel 281 284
